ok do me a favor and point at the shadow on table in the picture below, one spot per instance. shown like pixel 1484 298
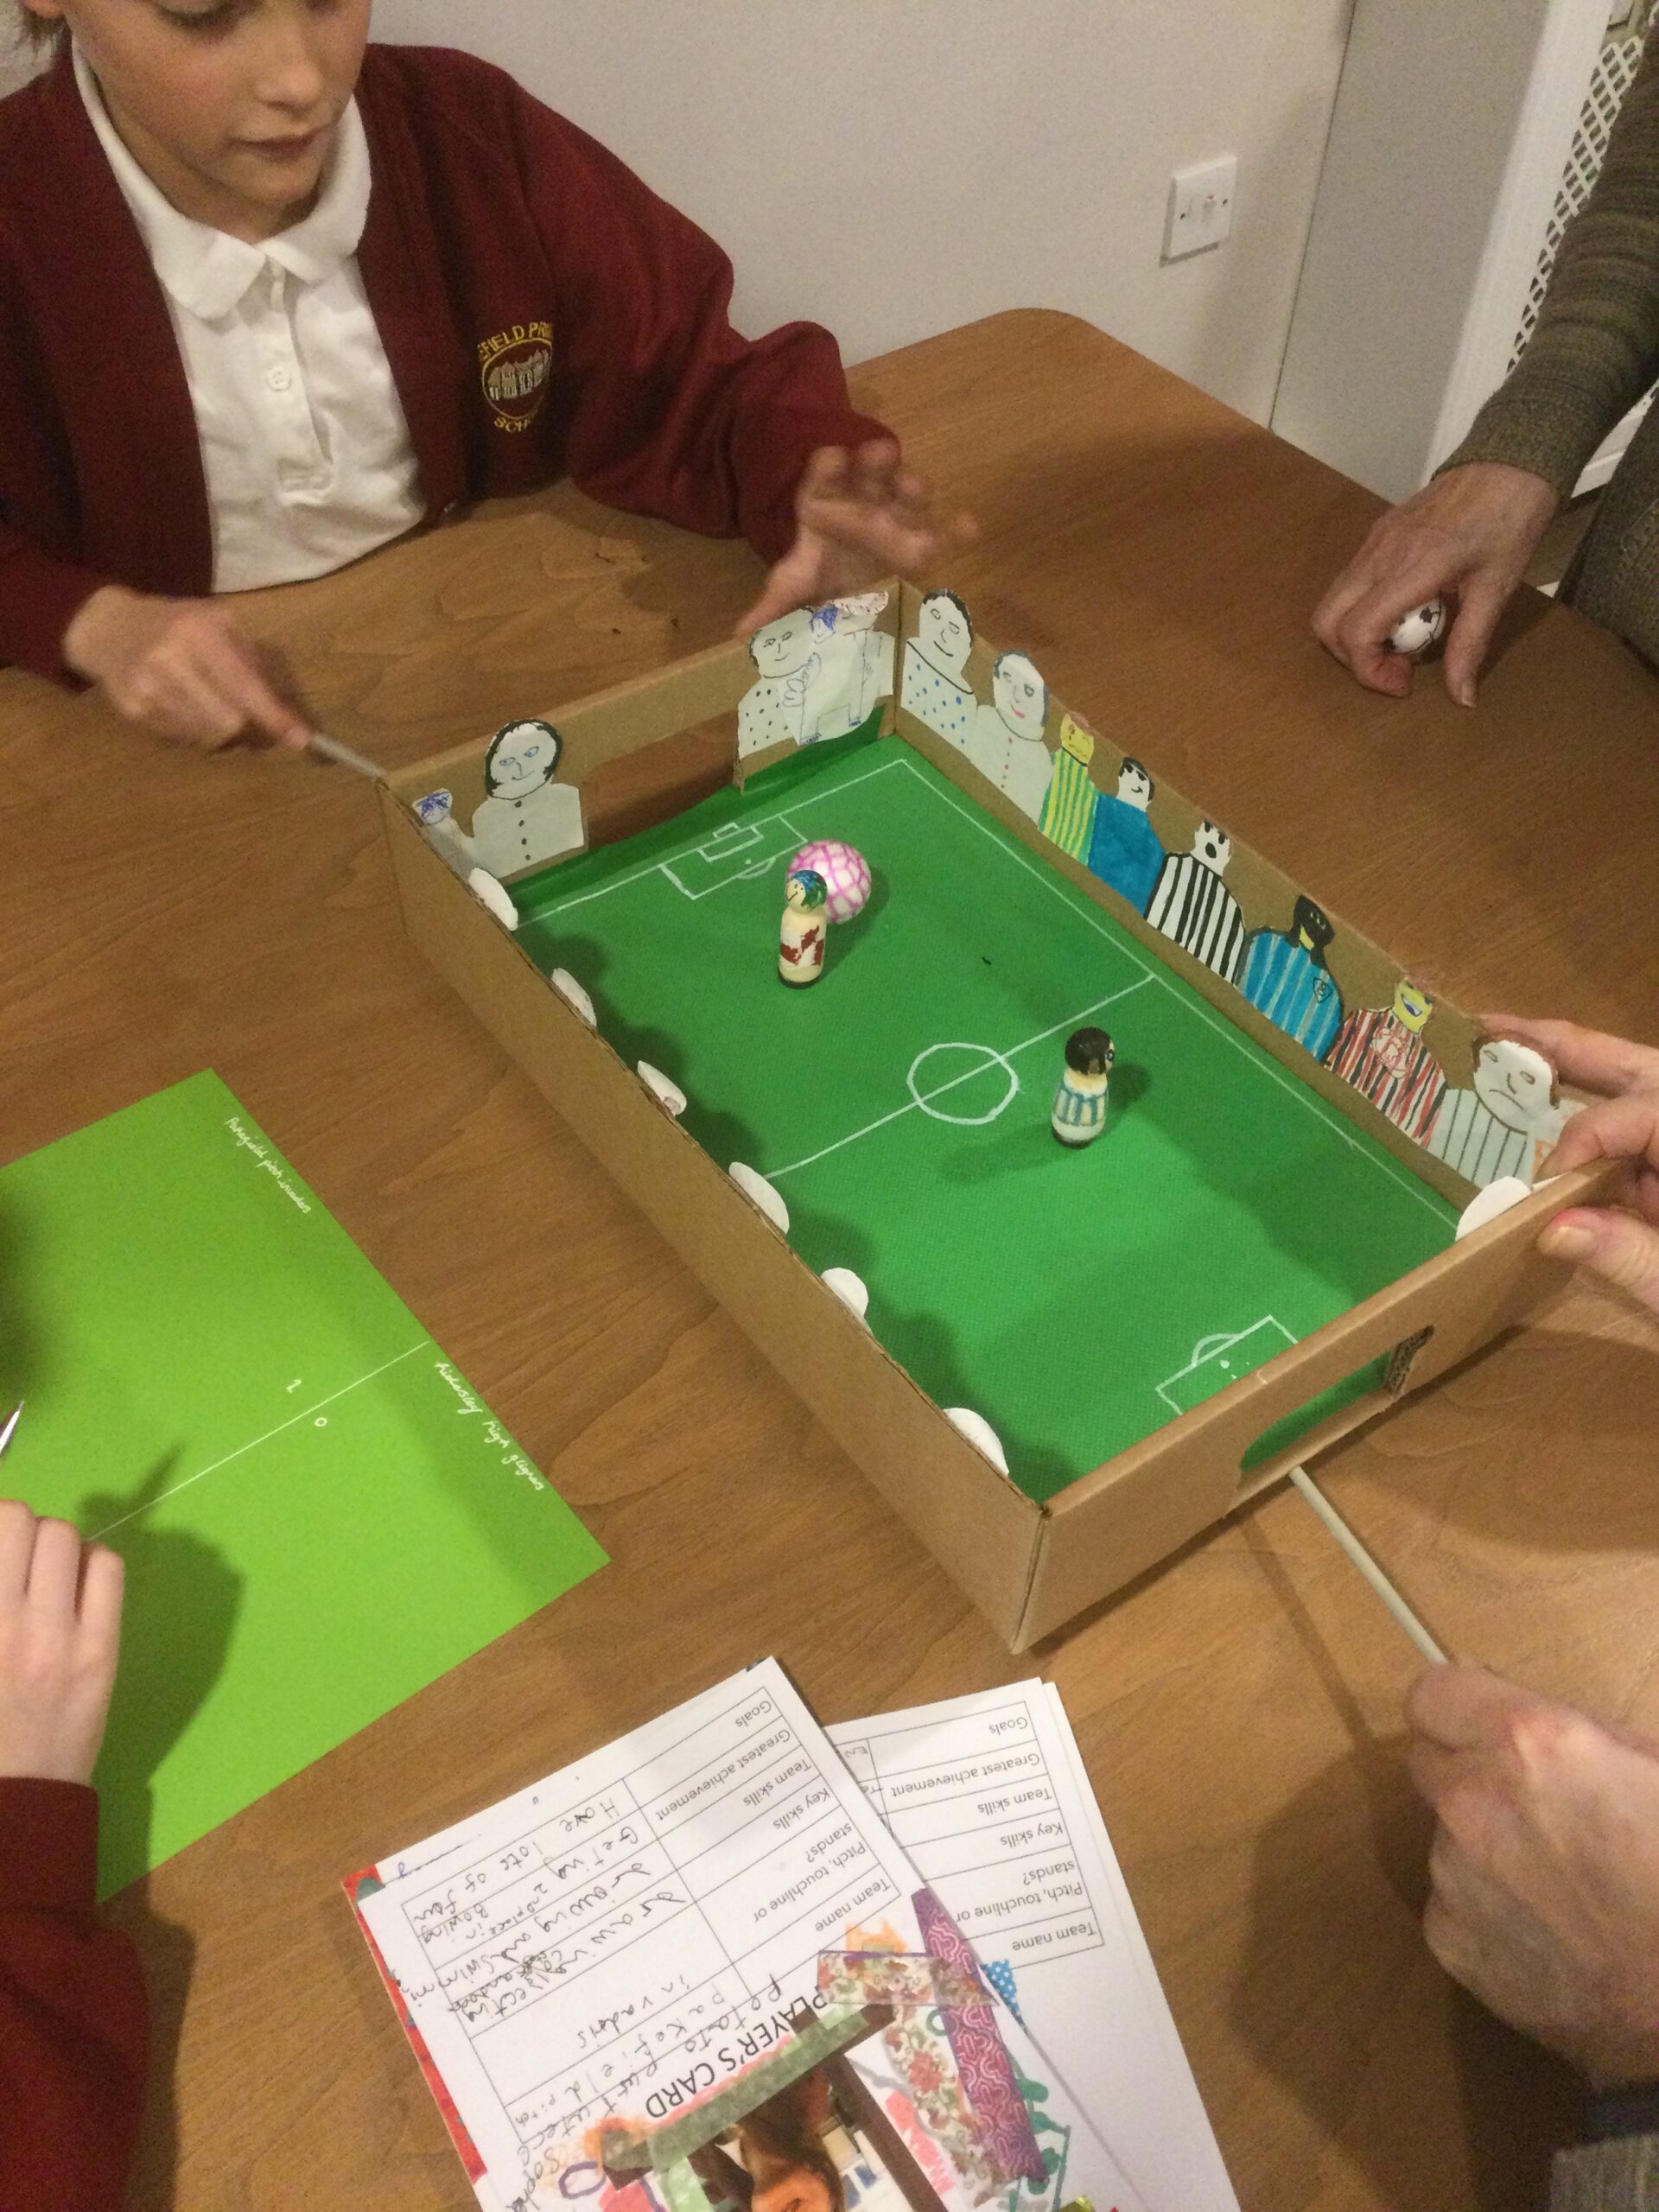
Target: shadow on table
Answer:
pixel 181 1608
pixel 1335 1986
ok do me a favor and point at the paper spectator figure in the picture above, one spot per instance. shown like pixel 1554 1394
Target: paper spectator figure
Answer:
pixel 1005 744
pixel 936 687
pixel 1069 810
pixel 1506 1124
pixel 854 665
pixel 1191 904
pixel 1382 1054
pixel 525 817
pixel 1123 848
pixel 1285 976
pixel 773 710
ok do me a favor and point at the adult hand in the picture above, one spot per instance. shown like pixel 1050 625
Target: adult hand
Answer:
pixel 1467 537
pixel 1621 1241
pixel 60 1629
pixel 861 516
pixel 1545 1866
pixel 180 668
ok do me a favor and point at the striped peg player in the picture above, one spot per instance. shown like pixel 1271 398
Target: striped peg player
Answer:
pixel 1079 1114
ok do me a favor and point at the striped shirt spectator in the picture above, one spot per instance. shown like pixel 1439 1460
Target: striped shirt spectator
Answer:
pixel 1381 1053
pixel 1191 904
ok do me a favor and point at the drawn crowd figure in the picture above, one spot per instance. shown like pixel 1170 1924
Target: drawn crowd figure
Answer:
pixel 1005 743
pixel 935 689
pixel 527 817
pixel 774 710
pixel 1194 908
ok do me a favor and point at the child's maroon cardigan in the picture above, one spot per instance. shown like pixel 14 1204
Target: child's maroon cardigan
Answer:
pixel 72 2023
pixel 494 228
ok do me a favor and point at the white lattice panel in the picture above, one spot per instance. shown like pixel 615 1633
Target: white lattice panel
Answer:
pixel 1621 57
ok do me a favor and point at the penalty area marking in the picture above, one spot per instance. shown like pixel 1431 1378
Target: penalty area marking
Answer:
pixel 722 844
pixel 1212 1348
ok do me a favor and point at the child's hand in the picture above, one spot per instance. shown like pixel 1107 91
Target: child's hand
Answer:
pixel 181 667
pixel 59 1627
pixel 861 515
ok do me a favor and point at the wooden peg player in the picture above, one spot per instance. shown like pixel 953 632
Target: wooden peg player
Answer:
pixel 800 943
pixel 1079 1113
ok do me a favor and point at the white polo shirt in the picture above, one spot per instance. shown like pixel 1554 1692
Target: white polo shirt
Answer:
pixel 304 442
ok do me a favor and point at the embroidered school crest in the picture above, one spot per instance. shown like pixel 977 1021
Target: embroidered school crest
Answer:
pixel 515 366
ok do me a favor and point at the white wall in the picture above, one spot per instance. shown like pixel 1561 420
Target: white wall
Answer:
pixel 894 168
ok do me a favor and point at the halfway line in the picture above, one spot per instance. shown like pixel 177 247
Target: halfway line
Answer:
pixel 1194 1005
pixel 258 1440
pixel 910 1105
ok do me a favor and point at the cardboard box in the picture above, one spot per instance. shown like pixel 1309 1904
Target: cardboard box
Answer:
pixel 641 752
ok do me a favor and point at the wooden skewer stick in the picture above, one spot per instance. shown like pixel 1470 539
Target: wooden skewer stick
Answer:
pixel 1368 1566
pixel 330 748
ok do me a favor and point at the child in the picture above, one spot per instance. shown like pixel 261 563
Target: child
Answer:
pixel 270 298
pixel 72 2002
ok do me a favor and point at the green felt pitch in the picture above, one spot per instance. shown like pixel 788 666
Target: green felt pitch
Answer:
pixel 900 1105
pixel 317 1516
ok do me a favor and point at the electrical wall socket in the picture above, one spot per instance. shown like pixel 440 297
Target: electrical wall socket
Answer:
pixel 1200 207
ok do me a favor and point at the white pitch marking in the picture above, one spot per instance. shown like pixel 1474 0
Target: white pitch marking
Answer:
pixel 664 868
pixel 1207 1348
pixel 939 1090
pixel 1193 1004
pixel 242 1448
pixel 992 1060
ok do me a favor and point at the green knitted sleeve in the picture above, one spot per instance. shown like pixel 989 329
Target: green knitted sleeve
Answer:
pixel 1596 348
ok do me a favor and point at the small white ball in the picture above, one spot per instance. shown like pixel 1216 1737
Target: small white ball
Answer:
pixel 1424 626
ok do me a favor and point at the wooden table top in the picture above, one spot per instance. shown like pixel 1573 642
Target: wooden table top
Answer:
pixel 1240 1710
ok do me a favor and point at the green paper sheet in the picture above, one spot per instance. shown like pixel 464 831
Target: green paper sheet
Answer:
pixel 318 1517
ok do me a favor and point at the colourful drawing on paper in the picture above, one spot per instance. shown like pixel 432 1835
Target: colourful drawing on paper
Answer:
pixel 857 2106
pixel 854 666
pixel 772 711
pixel 1123 848
pixel 936 686
pixel 1507 1123
pixel 1286 977
pixel 1069 810
pixel 1191 904
pixel 526 818
pixel 1381 1052
pixel 1005 744
pixel 1001 1975
pixel 982 2056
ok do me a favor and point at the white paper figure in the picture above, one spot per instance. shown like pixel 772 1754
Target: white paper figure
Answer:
pixel 1005 744
pixel 854 665
pixel 526 817
pixel 1191 904
pixel 773 710
pixel 1506 1124
pixel 935 688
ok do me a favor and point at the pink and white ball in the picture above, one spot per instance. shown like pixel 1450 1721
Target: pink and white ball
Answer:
pixel 846 875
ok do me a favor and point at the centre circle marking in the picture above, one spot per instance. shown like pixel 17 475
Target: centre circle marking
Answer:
pixel 987 1059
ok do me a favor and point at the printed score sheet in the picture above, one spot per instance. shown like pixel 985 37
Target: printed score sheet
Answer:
pixel 626 1935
